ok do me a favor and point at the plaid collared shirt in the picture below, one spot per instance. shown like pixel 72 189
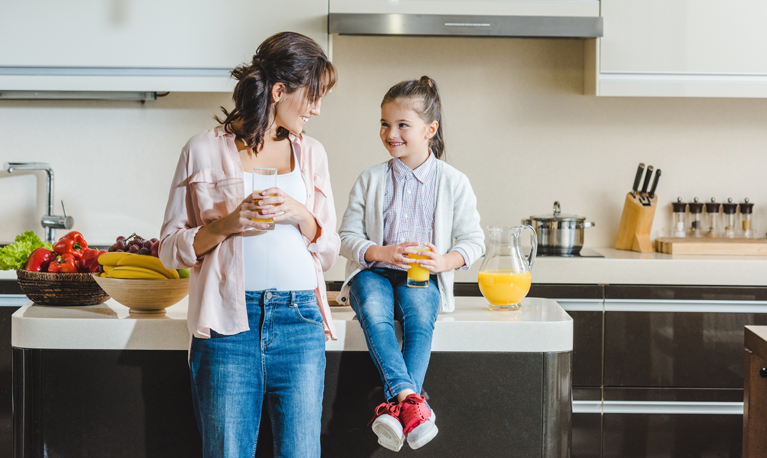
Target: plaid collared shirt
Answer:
pixel 409 203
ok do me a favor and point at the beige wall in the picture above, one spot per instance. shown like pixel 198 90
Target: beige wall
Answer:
pixel 516 123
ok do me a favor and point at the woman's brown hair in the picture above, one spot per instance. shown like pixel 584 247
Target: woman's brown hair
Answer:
pixel 429 107
pixel 289 58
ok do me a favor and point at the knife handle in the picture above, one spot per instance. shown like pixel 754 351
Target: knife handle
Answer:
pixel 647 177
pixel 638 177
pixel 654 184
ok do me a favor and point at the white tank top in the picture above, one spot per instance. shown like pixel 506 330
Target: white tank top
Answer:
pixel 279 258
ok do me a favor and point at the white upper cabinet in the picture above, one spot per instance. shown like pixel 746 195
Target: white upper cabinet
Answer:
pixel 682 48
pixel 142 45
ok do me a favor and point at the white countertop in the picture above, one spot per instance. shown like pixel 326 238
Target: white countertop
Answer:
pixel 541 325
pixel 620 267
pixel 631 268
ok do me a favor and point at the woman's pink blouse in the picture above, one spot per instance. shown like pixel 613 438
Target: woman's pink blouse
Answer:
pixel 208 185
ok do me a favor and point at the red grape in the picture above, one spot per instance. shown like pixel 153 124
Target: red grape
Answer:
pixel 133 249
pixel 144 251
pixel 120 244
pixel 120 239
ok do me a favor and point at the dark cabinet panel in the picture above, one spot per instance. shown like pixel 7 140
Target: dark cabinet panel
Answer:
pixel 10 287
pixel 677 292
pixel 135 403
pixel 6 381
pixel 587 348
pixel 675 349
pixel 671 435
pixel 653 395
pixel 587 435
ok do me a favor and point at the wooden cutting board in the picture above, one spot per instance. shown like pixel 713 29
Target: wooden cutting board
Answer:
pixel 705 246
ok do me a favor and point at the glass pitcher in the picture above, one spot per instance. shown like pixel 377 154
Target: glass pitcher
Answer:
pixel 505 273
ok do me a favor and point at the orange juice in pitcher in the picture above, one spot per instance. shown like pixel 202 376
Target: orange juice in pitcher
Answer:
pixel 504 287
pixel 506 274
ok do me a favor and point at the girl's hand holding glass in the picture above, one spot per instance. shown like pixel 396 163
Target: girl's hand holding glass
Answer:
pixel 436 262
pixel 395 255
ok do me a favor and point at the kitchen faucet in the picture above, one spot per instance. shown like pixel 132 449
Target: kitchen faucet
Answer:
pixel 49 221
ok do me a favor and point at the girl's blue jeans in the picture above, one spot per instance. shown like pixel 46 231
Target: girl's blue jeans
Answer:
pixel 379 296
pixel 280 360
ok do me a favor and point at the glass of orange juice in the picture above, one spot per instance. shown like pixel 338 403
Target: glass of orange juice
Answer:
pixel 264 178
pixel 417 276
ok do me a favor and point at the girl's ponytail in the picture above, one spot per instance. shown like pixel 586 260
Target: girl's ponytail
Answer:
pixel 426 92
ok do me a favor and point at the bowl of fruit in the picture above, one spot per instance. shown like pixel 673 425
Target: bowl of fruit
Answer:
pixel 60 274
pixel 135 277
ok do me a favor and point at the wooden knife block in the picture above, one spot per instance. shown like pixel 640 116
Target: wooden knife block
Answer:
pixel 636 223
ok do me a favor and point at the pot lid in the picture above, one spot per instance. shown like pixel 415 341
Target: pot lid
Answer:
pixel 557 216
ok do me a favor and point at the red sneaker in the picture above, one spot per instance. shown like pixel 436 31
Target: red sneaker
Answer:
pixel 417 421
pixel 387 426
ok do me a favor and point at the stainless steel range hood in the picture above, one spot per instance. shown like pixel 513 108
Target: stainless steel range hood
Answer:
pixel 431 25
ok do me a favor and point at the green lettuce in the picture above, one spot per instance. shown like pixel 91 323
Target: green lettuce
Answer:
pixel 14 256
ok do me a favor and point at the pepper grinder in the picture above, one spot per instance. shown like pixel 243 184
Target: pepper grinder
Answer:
pixel 746 219
pixel 712 218
pixel 730 228
pixel 696 218
pixel 678 226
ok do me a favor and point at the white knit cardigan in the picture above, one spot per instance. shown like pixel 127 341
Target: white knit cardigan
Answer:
pixel 456 223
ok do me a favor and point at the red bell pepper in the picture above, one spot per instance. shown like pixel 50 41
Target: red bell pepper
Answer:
pixel 89 261
pixel 72 243
pixel 66 263
pixel 39 260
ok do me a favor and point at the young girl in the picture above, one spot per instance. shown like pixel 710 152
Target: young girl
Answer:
pixel 413 199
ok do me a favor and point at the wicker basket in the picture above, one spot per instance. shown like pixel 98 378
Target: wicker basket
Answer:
pixel 45 288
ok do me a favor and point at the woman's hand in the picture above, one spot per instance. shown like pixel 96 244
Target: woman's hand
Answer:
pixel 395 255
pixel 439 263
pixel 275 200
pixel 241 219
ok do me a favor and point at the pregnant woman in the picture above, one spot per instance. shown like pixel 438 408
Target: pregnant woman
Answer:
pixel 258 312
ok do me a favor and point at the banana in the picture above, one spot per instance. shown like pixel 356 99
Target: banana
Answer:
pixel 110 259
pixel 147 262
pixel 107 268
pixel 136 273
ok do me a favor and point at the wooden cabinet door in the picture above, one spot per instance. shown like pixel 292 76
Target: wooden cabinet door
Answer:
pixel 755 407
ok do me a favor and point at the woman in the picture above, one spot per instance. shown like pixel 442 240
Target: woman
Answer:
pixel 258 312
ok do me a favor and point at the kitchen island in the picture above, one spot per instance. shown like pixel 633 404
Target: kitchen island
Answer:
pixel 95 381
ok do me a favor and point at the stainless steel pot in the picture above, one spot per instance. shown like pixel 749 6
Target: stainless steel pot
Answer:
pixel 559 234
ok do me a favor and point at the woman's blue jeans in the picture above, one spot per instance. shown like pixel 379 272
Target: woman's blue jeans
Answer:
pixel 280 360
pixel 379 296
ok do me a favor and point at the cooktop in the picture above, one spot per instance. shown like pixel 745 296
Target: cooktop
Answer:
pixel 585 253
